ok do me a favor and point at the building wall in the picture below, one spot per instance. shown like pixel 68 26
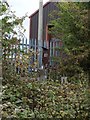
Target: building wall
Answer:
pixel 47 9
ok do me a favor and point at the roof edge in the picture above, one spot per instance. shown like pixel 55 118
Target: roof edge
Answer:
pixel 38 10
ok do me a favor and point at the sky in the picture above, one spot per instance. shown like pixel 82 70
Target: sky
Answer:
pixel 25 6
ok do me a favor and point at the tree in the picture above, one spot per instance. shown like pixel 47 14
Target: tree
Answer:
pixel 12 32
pixel 72 27
pixel 72 24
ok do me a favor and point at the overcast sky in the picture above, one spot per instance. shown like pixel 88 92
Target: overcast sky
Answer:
pixel 25 6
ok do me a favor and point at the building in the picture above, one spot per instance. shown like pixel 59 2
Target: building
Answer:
pixel 49 43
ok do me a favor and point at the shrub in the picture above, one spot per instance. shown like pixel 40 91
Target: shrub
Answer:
pixel 46 99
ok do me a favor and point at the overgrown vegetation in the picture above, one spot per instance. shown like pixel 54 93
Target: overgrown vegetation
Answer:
pixel 45 99
pixel 29 98
pixel 73 28
pixel 12 32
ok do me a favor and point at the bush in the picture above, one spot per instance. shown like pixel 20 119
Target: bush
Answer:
pixel 46 99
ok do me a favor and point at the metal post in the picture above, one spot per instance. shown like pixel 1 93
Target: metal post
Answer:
pixel 53 47
pixel 29 44
pixel 26 45
pixel 22 43
pixel 40 31
pixel 50 51
pixel 35 49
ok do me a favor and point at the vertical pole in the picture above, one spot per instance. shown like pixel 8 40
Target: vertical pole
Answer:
pixel 22 43
pixel 40 31
pixel 29 43
pixel 53 47
pixel 35 49
pixel 50 51
pixel 26 45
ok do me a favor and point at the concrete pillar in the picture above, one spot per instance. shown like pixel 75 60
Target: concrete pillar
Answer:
pixel 40 32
